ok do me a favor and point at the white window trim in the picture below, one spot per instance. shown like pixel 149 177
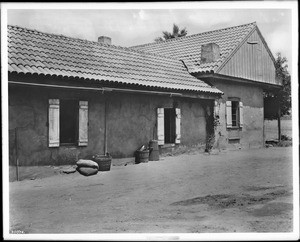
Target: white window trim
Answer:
pixel 54 123
pixel 240 121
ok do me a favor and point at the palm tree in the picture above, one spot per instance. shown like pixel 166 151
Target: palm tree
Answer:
pixel 176 34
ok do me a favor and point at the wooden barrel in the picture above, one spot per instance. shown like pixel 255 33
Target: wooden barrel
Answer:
pixel 142 156
pixel 154 151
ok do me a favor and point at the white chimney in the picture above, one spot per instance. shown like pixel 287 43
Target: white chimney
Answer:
pixel 104 40
pixel 210 53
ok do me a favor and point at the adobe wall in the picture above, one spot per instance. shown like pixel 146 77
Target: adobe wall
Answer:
pixel 251 134
pixel 28 112
pixel 131 121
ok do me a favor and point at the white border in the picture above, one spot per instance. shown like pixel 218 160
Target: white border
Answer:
pixel 4 115
pixel 295 116
pixel 146 5
pixel 159 5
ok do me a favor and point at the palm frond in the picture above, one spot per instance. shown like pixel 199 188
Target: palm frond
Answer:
pixel 176 33
pixel 167 35
pixel 175 30
pixel 182 32
pixel 158 39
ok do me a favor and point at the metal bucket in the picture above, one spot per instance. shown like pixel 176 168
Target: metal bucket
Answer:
pixel 154 151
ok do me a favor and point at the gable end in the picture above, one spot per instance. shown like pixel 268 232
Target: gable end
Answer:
pixel 252 60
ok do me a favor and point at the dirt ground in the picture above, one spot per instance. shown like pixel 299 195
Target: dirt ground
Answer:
pixel 231 191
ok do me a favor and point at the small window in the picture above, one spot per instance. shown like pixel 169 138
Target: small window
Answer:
pixel 68 121
pixel 235 113
pixel 168 126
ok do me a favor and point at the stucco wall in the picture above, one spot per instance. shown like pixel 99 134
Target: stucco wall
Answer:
pixel 131 121
pixel 251 134
pixel 28 112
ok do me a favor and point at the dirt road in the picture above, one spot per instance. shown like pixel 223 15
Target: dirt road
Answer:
pixel 233 191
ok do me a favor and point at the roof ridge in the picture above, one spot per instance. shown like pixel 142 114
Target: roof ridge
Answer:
pixel 193 35
pixel 92 42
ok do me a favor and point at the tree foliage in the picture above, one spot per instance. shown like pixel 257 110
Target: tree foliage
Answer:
pixel 175 34
pixel 282 98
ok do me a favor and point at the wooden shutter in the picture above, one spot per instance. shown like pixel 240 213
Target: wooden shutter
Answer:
pixel 241 114
pixel 216 108
pixel 228 114
pixel 160 126
pixel 83 123
pixel 53 121
pixel 178 124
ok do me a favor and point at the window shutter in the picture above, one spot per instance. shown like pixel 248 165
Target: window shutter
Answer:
pixel 228 114
pixel 160 126
pixel 241 114
pixel 83 123
pixel 178 124
pixel 216 108
pixel 53 121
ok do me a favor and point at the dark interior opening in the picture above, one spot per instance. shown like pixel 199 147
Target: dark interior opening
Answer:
pixel 170 130
pixel 68 121
pixel 235 113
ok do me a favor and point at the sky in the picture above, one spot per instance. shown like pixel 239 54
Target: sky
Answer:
pixel 142 24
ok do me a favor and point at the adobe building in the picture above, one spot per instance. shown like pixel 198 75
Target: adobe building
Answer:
pixel 71 98
pixel 237 61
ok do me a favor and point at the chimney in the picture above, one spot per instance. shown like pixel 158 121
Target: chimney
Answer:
pixel 104 40
pixel 210 53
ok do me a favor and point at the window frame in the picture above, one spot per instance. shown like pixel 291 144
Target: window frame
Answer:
pixel 82 122
pixel 161 126
pixel 235 113
pixel 239 105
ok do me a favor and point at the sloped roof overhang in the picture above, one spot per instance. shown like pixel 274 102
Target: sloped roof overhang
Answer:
pixel 53 56
pixel 264 85
pixel 59 82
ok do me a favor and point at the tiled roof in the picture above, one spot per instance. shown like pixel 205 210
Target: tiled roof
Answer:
pixel 31 51
pixel 188 48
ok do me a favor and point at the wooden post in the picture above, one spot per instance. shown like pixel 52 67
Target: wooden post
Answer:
pixel 279 125
pixel 105 125
pixel 264 134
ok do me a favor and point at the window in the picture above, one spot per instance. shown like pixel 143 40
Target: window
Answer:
pixel 68 122
pixel 168 125
pixel 169 122
pixel 234 114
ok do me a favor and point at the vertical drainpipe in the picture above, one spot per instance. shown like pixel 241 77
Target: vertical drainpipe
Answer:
pixel 17 154
pixel 279 124
pixel 105 124
pixel 264 138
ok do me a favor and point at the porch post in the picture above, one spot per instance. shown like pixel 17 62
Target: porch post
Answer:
pixel 279 124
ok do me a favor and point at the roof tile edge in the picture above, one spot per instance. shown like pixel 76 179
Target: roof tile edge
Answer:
pixel 91 42
pixel 193 35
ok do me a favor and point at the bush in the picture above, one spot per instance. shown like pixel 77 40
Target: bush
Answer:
pixel 285 143
pixel 285 137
